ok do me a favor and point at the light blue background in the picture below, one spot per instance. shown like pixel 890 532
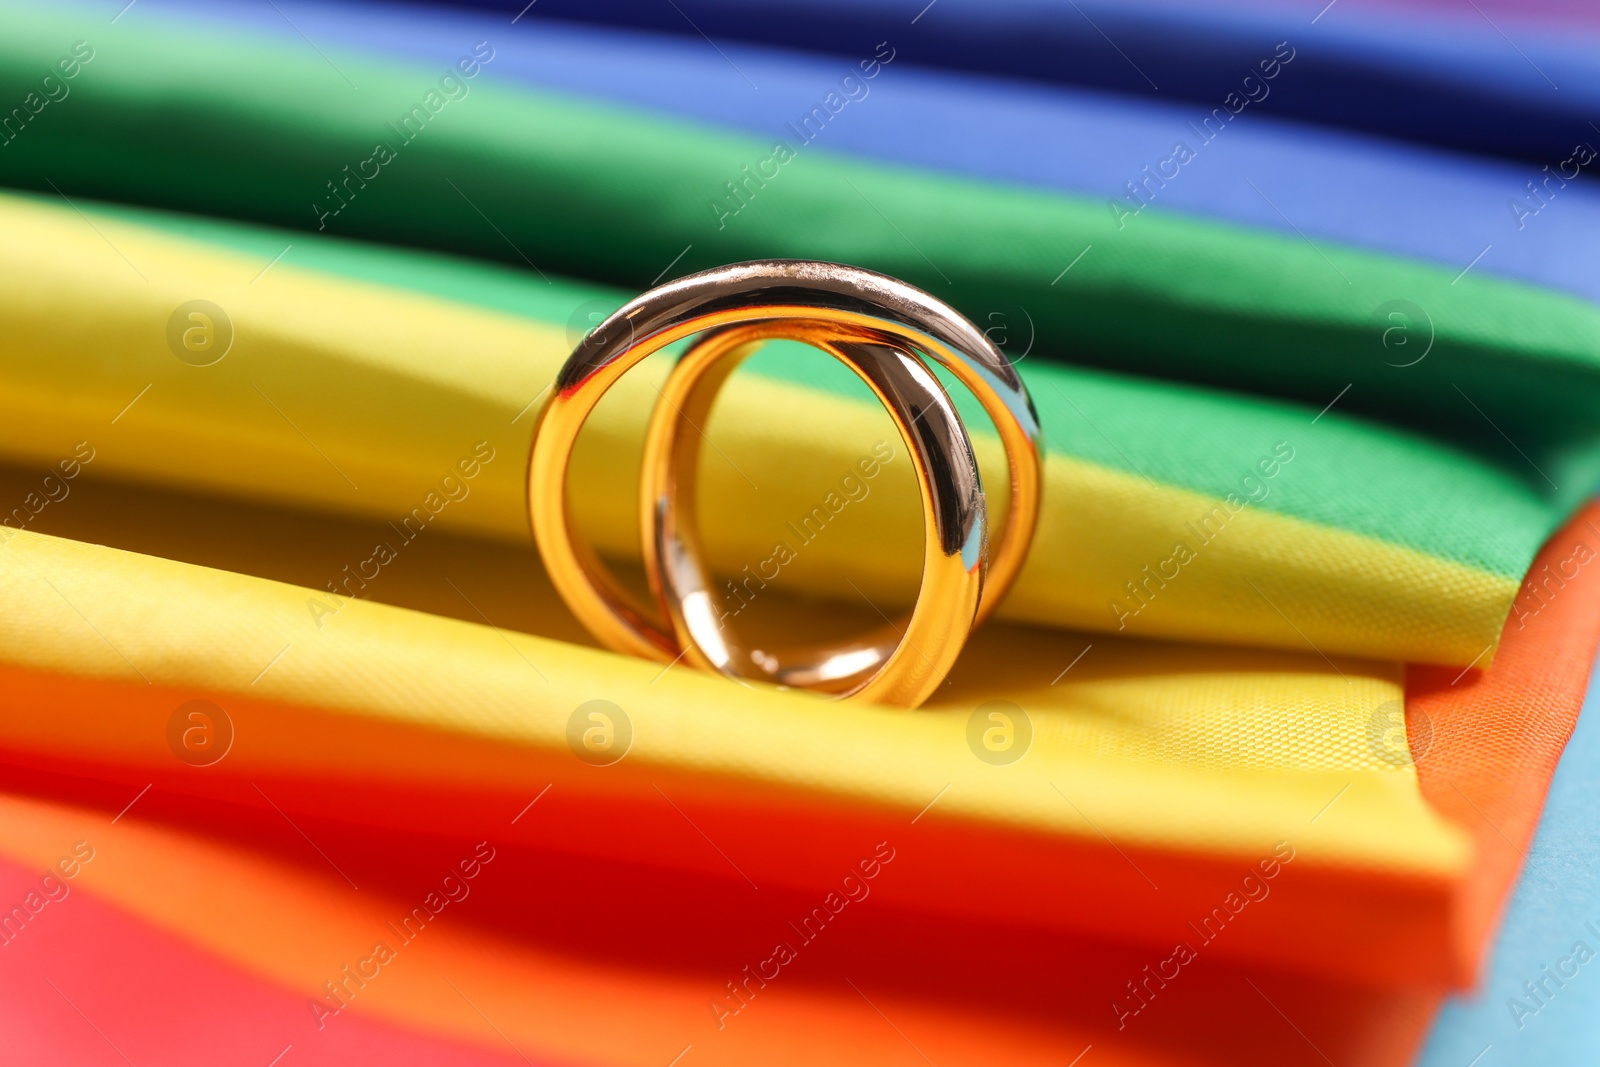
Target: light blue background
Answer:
pixel 1558 893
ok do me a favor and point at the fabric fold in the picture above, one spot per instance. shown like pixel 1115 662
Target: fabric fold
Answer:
pixel 103 742
pixel 1515 84
pixel 1191 760
pixel 1132 155
pixel 290 711
pixel 509 173
pixel 244 914
pixel 360 380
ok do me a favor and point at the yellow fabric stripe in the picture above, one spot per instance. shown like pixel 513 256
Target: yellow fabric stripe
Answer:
pixel 353 398
pixel 1265 579
pixel 1166 746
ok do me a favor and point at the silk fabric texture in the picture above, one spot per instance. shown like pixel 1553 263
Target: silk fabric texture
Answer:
pixel 1154 764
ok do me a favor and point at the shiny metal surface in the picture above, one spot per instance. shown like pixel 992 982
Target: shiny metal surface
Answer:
pixel 898 664
pixel 828 294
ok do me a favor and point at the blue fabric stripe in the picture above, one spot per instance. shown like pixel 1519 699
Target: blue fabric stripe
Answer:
pixel 1503 85
pixel 1322 184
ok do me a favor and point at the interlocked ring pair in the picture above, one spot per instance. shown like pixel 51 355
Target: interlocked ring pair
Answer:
pixel 883 330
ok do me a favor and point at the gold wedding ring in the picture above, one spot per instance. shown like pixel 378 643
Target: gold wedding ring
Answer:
pixel 899 665
pixel 884 331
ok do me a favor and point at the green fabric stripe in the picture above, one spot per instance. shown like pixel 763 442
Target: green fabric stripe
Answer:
pixel 1348 473
pixel 198 120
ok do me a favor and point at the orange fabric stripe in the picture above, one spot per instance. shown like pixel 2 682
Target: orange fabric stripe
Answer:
pixel 1321 919
pixel 595 963
pixel 1487 742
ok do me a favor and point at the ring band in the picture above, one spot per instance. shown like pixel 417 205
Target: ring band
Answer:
pixel 748 293
pixel 898 665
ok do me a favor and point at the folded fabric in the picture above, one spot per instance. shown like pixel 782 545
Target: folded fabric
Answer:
pixel 239 929
pixel 1548 917
pixel 1192 760
pixel 1209 752
pixel 241 436
pixel 358 378
pixel 373 759
pixel 1300 179
pixel 85 950
pixel 524 176
pixel 1455 79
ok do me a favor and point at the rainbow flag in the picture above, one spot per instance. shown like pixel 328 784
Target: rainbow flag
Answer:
pixel 1304 629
